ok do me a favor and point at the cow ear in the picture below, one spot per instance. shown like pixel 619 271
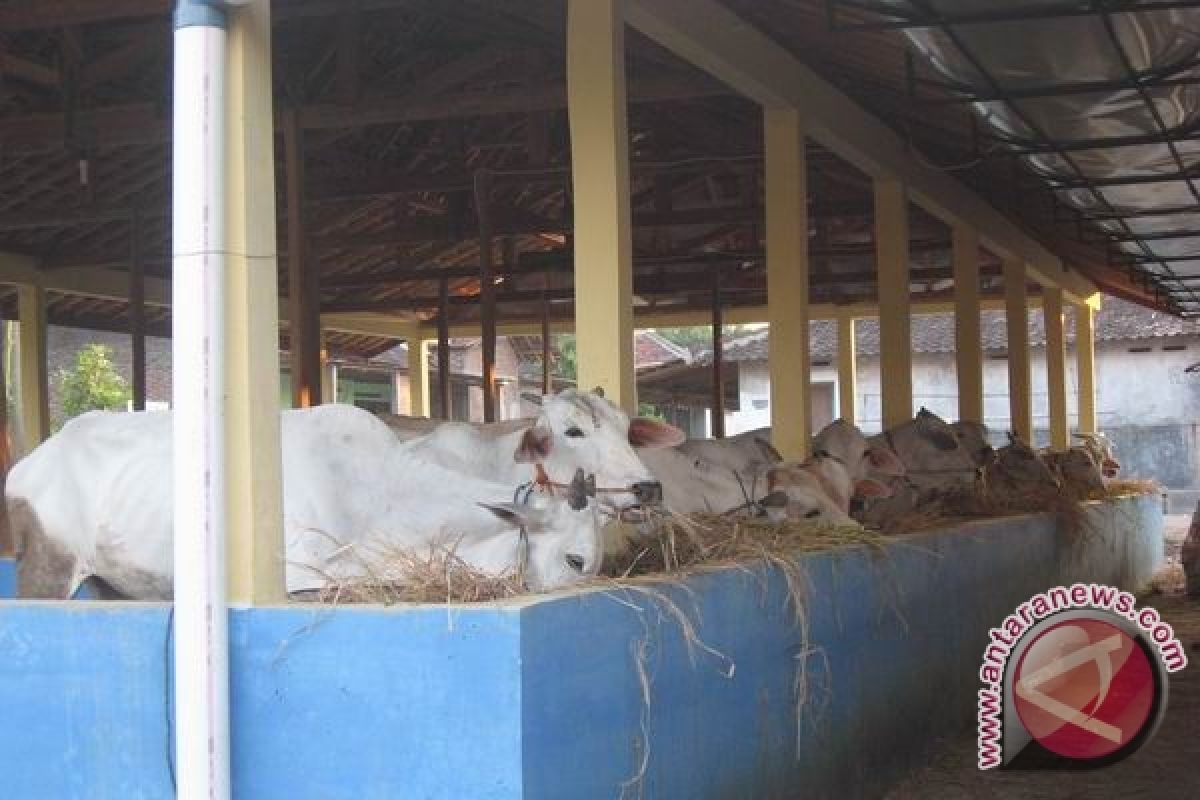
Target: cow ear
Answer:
pixel 652 434
pixel 777 499
pixel 883 459
pixel 598 391
pixel 768 450
pixel 536 444
pixel 509 512
pixel 872 488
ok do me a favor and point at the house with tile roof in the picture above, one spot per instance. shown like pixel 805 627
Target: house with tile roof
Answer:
pixel 1147 399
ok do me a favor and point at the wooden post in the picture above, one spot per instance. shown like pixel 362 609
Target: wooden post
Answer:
pixel 968 343
pixel 847 369
pixel 1056 366
pixel 895 312
pixel 547 351
pixel 254 480
pixel 443 340
pixel 487 291
pixel 718 365
pixel 1085 365
pixel 787 281
pixel 600 179
pixel 304 313
pixel 137 313
pixel 32 366
pixel 1020 394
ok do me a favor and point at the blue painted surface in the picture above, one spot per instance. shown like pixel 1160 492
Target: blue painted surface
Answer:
pixel 542 699
pixel 8 578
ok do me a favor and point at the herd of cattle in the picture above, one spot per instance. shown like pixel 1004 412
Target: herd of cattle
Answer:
pixel 538 496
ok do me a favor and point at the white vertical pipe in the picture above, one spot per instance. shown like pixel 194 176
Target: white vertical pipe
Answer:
pixel 198 264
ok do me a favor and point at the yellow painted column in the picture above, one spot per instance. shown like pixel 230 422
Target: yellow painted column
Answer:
pixel 1085 365
pixel 32 365
pixel 600 180
pixel 1056 367
pixel 255 547
pixel 895 312
pixel 847 364
pixel 968 343
pixel 1016 308
pixel 418 377
pixel 786 191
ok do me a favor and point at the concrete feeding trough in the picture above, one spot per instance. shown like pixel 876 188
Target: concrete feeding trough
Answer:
pixel 578 694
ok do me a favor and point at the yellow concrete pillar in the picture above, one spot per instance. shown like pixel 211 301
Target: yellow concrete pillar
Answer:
pixel 600 180
pixel 895 312
pixel 847 366
pixel 418 377
pixel 255 547
pixel 32 366
pixel 1016 307
pixel 1085 365
pixel 787 281
pixel 1056 367
pixel 968 344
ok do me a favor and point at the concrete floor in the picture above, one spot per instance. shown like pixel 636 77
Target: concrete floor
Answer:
pixel 1168 767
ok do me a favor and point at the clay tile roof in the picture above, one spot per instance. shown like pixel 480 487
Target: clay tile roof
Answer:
pixel 1117 321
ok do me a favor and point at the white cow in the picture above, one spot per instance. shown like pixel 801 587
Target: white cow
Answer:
pixel 818 490
pixel 690 483
pixel 936 456
pixel 95 500
pixel 575 430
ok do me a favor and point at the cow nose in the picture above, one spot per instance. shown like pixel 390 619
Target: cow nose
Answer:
pixel 648 493
pixel 575 562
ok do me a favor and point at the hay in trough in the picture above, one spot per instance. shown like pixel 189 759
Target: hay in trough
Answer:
pixel 389 574
pixel 981 502
pixel 1131 487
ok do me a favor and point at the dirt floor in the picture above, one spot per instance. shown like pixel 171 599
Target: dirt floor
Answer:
pixel 1168 767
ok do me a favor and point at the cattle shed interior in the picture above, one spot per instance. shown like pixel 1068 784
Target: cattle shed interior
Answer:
pixel 323 179
pixel 481 169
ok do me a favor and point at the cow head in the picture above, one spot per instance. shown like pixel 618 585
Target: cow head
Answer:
pixel 930 450
pixel 846 442
pixel 973 439
pixel 1102 451
pixel 1079 473
pixel 818 490
pixel 1018 464
pixel 582 430
pixel 562 545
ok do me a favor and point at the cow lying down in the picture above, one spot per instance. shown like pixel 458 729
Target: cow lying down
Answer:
pixel 95 501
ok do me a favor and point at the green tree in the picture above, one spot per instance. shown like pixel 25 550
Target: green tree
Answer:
pixel 567 361
pixel 93 383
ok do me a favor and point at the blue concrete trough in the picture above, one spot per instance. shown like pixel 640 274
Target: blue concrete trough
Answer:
pixel 574 695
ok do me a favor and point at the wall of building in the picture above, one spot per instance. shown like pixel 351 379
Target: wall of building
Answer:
pixel 542 697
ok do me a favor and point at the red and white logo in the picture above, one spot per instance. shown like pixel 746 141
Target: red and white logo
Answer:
pixel 1077 674
pixel 1084 689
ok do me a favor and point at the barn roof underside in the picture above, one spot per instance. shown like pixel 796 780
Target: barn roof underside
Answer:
pixel 404 106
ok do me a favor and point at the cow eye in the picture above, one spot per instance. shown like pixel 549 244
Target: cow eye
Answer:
pixel 812 514
pixel 574 432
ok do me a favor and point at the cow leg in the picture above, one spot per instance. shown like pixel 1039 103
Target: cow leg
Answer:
pixel 44 569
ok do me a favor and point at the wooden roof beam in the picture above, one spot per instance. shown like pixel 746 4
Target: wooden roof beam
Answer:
pixel 712 37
